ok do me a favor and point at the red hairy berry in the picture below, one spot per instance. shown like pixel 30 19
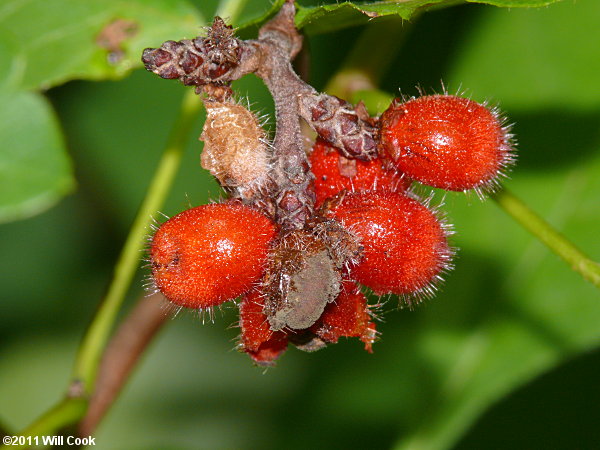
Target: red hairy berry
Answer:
pixel 334 173
pixel 405 246
pixel 348 316
pixel 207 255
pixel 257 339
pixel 447 142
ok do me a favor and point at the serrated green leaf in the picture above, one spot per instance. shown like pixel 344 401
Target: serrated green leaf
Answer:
pixel 35 171
pixel 94 39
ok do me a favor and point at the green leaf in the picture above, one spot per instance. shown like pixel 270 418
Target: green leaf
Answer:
pixel 250 27
pixel 549 57
pixel 326 18
pixel 516 3
pixel 43 44
pixel 35 171
pixel 92 39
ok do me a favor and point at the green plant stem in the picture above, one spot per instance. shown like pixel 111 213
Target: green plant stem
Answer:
pixel 73 407
pixel 68 411
pixel 550 237
pixel 90 351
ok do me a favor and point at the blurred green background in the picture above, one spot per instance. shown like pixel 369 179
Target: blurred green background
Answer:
pixel 505 356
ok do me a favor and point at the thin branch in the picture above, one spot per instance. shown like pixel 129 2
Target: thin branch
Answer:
pixel 555 241
pixel 66 412
pixel 72 408
pixel 279 42
pixel 214 61
pixel 121 356
pixel 90 351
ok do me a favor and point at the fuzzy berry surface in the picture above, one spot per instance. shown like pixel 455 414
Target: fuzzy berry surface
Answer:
pixel 207 255
pixel 405 245
pixel 334 173
pixel 257 339
pixel 446 141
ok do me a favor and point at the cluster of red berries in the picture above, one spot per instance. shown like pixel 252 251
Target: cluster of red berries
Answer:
pixel 210 254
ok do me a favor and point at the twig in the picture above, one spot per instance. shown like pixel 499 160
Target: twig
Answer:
pixel 93 344
pixel 121 356
pixel 66 412
pixel 212 62
pixel 550 237
pixel 72 408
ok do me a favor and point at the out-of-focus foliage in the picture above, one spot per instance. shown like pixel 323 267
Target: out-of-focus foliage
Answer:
pixel 44 44
pixel 508 313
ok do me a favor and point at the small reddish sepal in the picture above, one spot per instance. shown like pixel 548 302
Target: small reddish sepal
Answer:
pixel 348 316
pixel 262 345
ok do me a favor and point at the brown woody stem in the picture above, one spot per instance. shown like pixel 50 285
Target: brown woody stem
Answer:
pixel 213 62
pixel 279 42
pixel 121 356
